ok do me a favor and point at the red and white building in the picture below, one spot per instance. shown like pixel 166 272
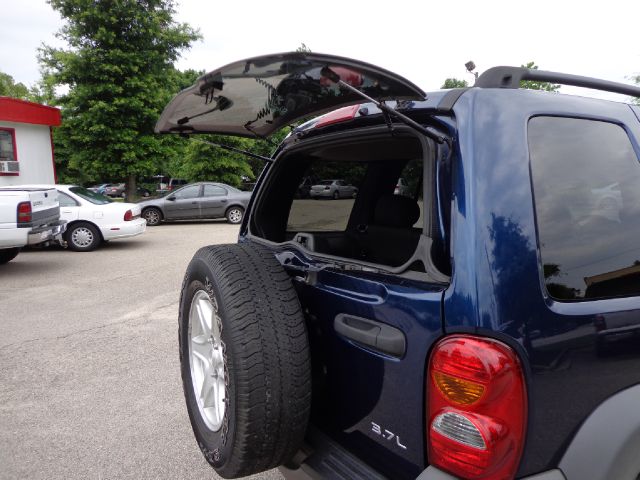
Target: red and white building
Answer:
pixel 26 144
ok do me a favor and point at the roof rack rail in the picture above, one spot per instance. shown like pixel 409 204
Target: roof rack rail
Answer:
pixel 510 77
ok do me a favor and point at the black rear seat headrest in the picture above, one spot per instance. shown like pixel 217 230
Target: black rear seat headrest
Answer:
pixel 396 211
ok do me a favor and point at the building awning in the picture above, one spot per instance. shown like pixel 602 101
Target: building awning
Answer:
pixel 22 111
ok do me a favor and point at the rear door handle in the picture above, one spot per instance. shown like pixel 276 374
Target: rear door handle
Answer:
pixel 375 335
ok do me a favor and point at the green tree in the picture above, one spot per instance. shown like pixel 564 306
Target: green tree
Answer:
pixel 206 162
pixel 9 88
pixel 202 161
pixel 532 85
pixel 454 83
pixel 118 68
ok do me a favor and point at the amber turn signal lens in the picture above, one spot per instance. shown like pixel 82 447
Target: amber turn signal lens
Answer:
pixel 458 390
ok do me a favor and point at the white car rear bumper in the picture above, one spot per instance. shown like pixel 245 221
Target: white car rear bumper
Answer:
pixel 124 229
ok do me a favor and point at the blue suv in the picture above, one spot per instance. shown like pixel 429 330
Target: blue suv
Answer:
pixel 483 323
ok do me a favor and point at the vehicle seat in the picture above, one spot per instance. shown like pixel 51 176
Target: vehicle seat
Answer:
pixel 390 239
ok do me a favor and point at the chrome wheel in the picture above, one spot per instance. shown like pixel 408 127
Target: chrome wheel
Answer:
pixel 207 360
pixel 152 216
pixel 234 215
pixel 82 237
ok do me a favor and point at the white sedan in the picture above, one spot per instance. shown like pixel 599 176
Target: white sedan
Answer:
pixel 93 218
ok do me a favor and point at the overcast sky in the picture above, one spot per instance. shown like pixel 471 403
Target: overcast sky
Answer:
pixel 424 41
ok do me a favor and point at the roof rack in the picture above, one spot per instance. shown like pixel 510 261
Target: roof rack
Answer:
pixel 510 77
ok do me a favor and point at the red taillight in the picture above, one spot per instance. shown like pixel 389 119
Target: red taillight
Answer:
pixel 476 408
pixel 24 212
pixel 128 216
pixel 337 116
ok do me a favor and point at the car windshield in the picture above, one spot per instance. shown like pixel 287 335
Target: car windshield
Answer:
pixel 326 182
pixel 90 196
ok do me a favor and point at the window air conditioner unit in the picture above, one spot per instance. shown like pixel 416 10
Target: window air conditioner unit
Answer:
pixel 9 166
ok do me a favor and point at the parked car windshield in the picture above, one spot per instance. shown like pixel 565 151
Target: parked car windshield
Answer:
pixel 90 196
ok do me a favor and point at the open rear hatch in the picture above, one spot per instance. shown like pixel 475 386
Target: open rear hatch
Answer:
pixel 258 96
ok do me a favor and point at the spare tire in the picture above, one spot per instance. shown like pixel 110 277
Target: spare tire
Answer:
pixel 244 356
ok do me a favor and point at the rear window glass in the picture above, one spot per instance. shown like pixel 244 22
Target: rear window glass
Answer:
pixel 324 205
pixel 586 179
pixel 90 196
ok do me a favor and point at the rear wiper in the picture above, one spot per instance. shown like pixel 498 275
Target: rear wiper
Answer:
pixel 234 149
pixel 332 76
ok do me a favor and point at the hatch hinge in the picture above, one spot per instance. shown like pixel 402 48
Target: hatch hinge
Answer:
pixel 234 149
pixel 335 78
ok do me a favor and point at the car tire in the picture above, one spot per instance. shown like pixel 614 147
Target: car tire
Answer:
pixel 241 329
pixel 234 215
pixel 336 195
pixel 152 215
pixel 8 254
pixel 145 194
pixel 82 237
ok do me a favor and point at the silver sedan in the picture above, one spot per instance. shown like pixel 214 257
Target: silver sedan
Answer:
pixel 197 201
pixel 333 189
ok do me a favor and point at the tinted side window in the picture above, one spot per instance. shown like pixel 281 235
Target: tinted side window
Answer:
pixel 586 182
pixel 213 191
pixel 188 192
pixel 65 200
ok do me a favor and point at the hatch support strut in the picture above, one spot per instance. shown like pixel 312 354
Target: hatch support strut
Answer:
pixel 335 78
pixel 234 149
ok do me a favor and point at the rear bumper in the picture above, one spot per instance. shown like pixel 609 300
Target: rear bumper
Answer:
pixel 333 467
pixel 124 229
pixel 321 194
pixel 47 233
pixel 604 448
pixel 432 473
pixel 323 458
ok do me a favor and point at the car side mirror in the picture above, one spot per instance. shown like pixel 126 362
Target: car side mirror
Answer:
pixel 171 198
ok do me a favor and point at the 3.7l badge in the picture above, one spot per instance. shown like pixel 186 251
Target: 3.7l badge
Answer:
pixel 387 435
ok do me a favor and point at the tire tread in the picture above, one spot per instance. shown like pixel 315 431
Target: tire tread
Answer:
pixel 271 360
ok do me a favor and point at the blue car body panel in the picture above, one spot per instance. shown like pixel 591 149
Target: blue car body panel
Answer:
pixel 496 289
pixel 364 387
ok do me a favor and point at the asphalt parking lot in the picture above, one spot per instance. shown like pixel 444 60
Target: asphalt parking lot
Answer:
pixel 89 373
